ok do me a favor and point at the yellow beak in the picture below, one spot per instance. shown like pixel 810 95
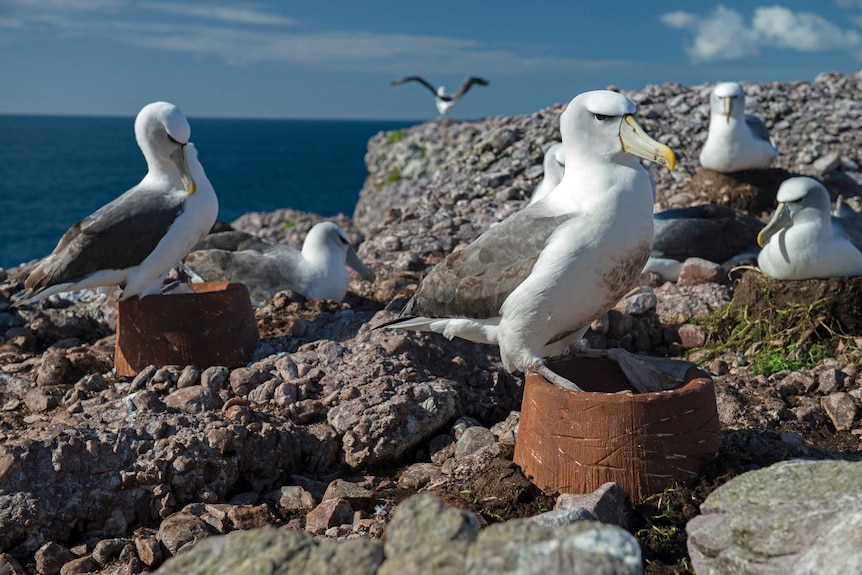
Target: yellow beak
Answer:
pixel 636 142
pixel 179 158
pixel 780 219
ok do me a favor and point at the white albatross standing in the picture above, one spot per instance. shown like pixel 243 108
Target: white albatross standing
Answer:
pixel 735 141
pixel 443 100
pixel 800 241
pixel 534 282
pixel 318 271
pixel 136 239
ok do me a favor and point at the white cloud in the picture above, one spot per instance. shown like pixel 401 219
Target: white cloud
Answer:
pixel 243 14
pixel 242 33
pixel 725 35
pixel 802 31
pixel 849 3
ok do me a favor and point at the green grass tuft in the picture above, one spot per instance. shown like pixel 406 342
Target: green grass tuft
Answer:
pixel 395 136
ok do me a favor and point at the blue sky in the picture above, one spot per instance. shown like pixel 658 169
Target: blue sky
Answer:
pixel 334 59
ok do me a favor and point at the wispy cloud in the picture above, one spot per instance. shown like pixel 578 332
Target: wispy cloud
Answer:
pixel 241 14
pixel 244 34
pixel 725 35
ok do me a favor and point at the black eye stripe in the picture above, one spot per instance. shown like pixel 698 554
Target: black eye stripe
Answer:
pixel 171 138
pixel 601 117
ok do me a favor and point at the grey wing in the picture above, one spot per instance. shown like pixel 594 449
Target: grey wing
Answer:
pixel 263 274
pixel 419 79
pixel 119 235
pixel 475 281
pixel 849 221
pixel 234 241
pixel 758 128
pixel 467 84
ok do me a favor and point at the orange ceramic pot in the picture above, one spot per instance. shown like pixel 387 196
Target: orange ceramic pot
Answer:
pixel 215 325
pixel 574 442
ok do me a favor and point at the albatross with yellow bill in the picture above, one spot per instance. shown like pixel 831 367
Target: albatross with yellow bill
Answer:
pixel 534 282
pixel 136 239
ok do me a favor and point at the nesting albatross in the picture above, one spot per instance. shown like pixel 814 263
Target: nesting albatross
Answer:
pixel 800 241
pixel 136 239
pixel 534 282
pixel 317 271
pixel 735 141
pixel 443 100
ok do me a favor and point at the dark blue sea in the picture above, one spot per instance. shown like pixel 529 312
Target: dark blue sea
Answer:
pixel 56 170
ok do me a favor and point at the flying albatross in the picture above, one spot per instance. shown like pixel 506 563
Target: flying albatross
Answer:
pixel 136 239
pixel 800 241
pixel 443 100
pixel 735 141
pixel 534 282
pixel 265 267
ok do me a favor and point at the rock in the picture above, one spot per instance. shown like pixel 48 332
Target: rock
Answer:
pixel 194 399
pixel 10 566
pixel 691 336
pixel 149 550
pixel 696 271
pixel 792 517
pixel 426 536
pixel 607 504
pixel 472 440
pixel 50 557
pixel 330 513
pixel 829 381
pixel 108 550
pixel 352 491
pixel 418 475
pixel 270 551
pixel 81 565
pixel 181 530
pixel 582 548
pixel 291 499
pixel 841 409
pixel 506 431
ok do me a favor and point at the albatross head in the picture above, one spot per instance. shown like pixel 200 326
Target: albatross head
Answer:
pixel 799 199
pixel 602 122
pixel 727 99
pixel 163 132
pixel 327 241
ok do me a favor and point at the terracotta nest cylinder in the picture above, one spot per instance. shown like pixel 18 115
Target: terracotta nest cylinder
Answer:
pixel 215 325
pixel 574 442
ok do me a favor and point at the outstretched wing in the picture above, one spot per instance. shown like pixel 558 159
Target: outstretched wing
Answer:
pixel 414 79
pixel 467 84
pixel 475 281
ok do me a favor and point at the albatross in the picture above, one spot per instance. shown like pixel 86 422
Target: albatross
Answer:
pixel 317 271
pixel 554 164
pixel 533 283
pixel 800 241
pixel 735 141
pixel 443 100
pixel 136 239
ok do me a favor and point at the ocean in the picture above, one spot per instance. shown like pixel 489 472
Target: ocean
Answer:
pixel 56 170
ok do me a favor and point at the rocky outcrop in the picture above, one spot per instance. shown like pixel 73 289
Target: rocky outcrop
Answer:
pixel 799 517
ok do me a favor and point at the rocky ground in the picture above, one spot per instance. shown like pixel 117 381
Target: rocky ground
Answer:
pixel 333 426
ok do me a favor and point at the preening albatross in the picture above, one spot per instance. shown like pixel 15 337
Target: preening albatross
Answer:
pixel 136 239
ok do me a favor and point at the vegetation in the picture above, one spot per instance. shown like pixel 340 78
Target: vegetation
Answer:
pixel 784 324
pixel 395 136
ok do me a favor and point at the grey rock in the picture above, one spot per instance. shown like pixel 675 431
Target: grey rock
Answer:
pixel 270 551
pixel 472 440
pixel 524 548
pixel 841 409
pixel 607 504
pixel 426 536
pixel 797 517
